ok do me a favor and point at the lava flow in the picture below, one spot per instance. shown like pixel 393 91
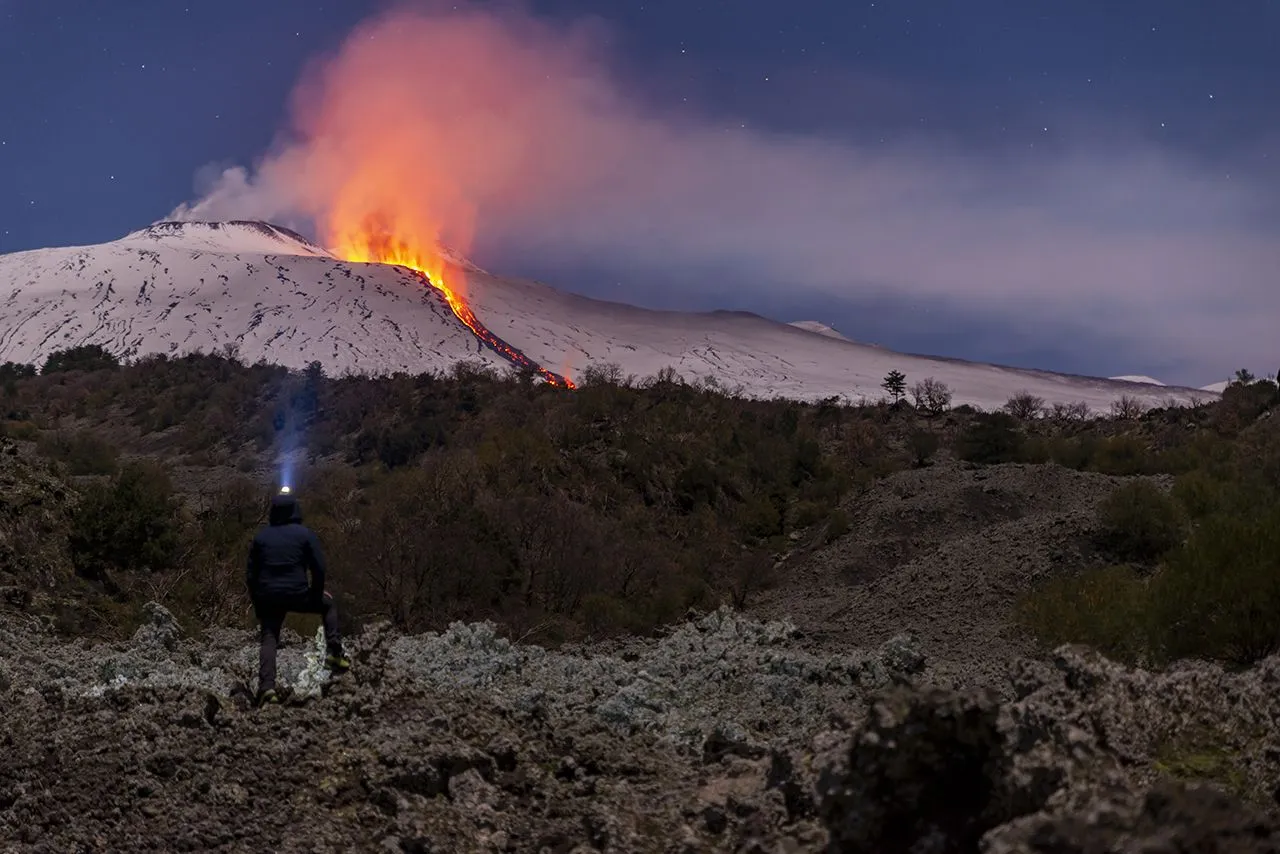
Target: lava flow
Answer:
pixel 377 246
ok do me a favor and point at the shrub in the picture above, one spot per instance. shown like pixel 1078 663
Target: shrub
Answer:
pixel 1069 412
pixel 1024 406
pixel 87 357
pixel 127 523
pixel 931 396
pixel 1198 493
pixel 22 430
pixel 1100 607
pixel 990 438
pixel 838 524
pixel 1073 453
pixel 1121 455
pixel 601 374
pixel 1219 596
pixel 84 452
pixel 10 371
pixel 1138 522
pixel 1243 402
pixel 923 444
pixel 1127 408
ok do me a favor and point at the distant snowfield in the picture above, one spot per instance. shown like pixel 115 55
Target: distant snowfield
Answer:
pixel 199 287
pixel 1138 378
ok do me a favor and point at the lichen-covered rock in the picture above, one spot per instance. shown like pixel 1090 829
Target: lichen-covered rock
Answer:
pixel 721 673
pixel 924 773
pixel 1167 818
pixel 159 629
pixel 727 734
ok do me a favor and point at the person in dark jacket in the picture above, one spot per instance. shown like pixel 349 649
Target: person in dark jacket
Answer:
pixel 286 573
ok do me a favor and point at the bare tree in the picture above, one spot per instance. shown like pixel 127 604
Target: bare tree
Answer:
pixel 602 373
pixel 931 396
pixel 1078 411
pixel 1024 406
pixel 1127 408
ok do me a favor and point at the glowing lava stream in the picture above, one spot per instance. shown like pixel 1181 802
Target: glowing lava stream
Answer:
pixel 432 269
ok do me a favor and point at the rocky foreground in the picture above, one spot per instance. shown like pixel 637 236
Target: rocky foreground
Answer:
pixel 725 735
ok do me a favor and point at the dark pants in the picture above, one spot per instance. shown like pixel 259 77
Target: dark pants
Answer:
pixel 271 613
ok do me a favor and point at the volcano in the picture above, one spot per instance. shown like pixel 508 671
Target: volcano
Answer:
pixel 270 293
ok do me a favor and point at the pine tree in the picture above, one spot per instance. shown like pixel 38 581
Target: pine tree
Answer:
pixel 895 382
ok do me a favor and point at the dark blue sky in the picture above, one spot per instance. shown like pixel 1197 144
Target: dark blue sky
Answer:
pixel 108 110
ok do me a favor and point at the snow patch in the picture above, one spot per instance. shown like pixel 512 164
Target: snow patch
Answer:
pixel 1137 378
pixel 819 328
pixel 233 236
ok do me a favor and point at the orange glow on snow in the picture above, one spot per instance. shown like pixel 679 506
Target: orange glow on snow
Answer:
pixel 373 239
pixel 374 243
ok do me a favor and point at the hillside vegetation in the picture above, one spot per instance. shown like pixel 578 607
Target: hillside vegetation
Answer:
pixel 614 508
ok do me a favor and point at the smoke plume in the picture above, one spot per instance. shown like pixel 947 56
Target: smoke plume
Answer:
pixel 455 124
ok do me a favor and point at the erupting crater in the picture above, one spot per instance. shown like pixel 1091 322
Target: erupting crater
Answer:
pixel 375 245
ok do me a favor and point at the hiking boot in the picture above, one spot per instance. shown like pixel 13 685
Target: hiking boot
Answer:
pixel 269 697
pixel 337 662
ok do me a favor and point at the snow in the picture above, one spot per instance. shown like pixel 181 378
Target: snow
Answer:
pixel 1216 388
pixel 566 332
pixel 819 328
pixel 178 288
pixel 164 293
pixel 1137 378
pixel 235 236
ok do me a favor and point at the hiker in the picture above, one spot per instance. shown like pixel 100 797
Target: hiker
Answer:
pixel 282 556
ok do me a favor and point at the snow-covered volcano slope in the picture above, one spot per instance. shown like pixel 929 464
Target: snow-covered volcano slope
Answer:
pixel 176 288
pixel 199 287
pixel 566 332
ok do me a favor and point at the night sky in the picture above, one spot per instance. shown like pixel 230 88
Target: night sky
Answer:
pixel 109 110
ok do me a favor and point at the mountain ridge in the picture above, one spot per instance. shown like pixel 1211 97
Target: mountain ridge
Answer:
pixel 176 287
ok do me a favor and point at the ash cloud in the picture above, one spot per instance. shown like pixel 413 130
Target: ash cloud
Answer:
pixel 519 131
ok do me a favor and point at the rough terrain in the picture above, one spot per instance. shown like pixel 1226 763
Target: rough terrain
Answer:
pixel 942 553
pixel 876 700
pixel 725 735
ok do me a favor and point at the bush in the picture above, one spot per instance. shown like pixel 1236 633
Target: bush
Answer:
pixel 1121 455
pixel 1024 406
pixel 931 396
pixel 1127 408
pixel 1101 607
pixel 1070 412
pixel 991 438
pixel 127 523
pixel 88 357
pixel 923 444
pixel 1198 493
pixel 10 371
pixel 1138 522
pixel 1073 453
pixel 84 453
pixel 1219 596
pixel 838 524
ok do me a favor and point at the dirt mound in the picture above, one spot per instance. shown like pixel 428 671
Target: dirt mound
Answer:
pixel 942 553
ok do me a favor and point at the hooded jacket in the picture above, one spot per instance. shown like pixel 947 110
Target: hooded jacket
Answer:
pixel 283 554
